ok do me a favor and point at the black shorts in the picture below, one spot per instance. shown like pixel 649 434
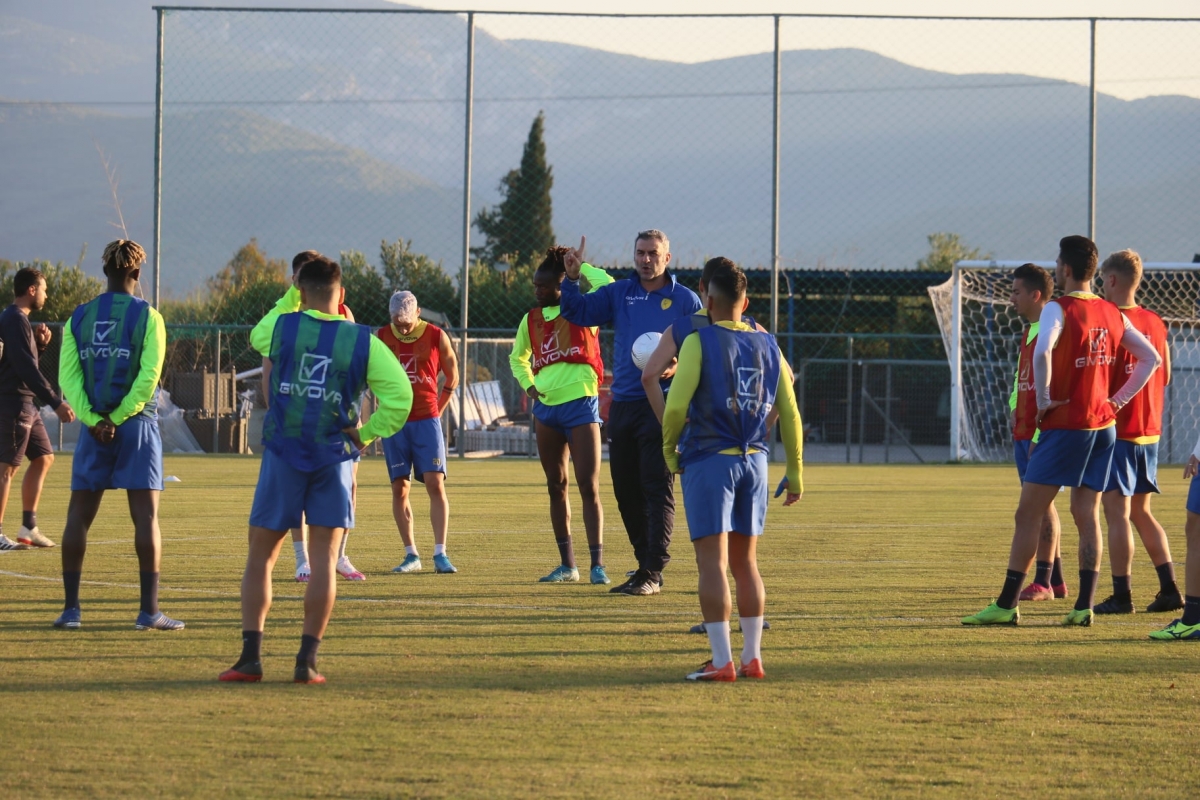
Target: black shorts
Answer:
pixel 22 434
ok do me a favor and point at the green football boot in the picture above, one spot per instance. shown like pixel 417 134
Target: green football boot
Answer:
pixel 994 615
pixel 1176 631
pixel 1081 617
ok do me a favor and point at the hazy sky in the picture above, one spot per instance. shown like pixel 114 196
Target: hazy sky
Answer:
pixel 1134 59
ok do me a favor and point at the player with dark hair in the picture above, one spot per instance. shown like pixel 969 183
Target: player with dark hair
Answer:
pixel 1033 287
pixel 299 533
pixel 419 448
pixel 1073 360
pixel 22 432
pixel 112 357
pixel 647 301
pixel 1134 474
pixel 320 366
pixel 558 365
pixel 728 379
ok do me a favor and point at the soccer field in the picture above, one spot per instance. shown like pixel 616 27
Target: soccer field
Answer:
pixel 486 683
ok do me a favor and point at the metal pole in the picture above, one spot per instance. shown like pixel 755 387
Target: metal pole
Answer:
pixel 216 442
pixel 158 128
pixel 849 394
pixel 887 412
pixel 862 415
pixel 956 363
pixel 1092 137
pixel 464 276
pixel 775 186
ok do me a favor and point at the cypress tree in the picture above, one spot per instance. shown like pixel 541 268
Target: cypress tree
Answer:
pixel 520 227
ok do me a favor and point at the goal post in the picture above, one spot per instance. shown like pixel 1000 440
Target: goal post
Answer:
pixel 981 332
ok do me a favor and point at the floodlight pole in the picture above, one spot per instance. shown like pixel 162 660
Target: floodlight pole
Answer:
pixel 464 276
pixel 158 129
pixel 775 188
pixel 1092 137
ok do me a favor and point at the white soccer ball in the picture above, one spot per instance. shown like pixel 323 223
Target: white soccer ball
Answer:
pixel 643 347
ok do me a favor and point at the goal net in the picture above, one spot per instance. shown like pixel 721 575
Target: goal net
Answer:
pixel 981 332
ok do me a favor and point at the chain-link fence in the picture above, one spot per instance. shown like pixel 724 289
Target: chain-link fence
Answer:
pixel 442 152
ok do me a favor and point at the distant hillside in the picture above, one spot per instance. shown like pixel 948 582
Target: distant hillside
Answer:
pixel 345 129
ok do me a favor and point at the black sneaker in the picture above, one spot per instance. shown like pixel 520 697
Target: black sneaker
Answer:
pixel 642 584
pixel 306 673
pixel 622 587
pixel 1116 604
pixel 1165 601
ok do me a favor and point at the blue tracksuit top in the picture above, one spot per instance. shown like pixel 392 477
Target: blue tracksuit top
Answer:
pixel 632 311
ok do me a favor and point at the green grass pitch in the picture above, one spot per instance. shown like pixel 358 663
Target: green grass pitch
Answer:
pixel 486 684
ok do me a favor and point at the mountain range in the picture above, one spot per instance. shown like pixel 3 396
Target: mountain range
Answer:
pixel 337 131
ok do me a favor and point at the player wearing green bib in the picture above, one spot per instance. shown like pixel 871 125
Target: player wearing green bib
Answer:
pixel 112 356
pixel 320 366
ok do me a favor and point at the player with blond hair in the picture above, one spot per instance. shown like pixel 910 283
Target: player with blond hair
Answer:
pixel 1133 477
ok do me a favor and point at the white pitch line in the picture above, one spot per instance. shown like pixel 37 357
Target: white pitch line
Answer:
pixel 380 600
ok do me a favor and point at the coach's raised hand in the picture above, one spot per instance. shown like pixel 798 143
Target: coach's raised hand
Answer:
pixel 573 259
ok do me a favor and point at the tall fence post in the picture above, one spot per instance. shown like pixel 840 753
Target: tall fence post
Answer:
pixel 1092 136
pixel 464 281
pixel 777 102
pixel 158 130
pixel 216 440
pixel 887 412
pixel 862 414
pixel 849 394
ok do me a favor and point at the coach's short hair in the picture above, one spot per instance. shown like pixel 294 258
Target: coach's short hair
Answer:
pixel 319 275
pixel 123 255
pixel 1080 255
pixel 554 262
pixel 300 259
pixel 25 279
pixel 727 283
pixel 1127 264
pixel 403 306
pixel 655 235
pixel 1035 279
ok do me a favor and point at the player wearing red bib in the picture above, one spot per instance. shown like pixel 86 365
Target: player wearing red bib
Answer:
pixel 558 365
pixel 1032 289
pixel 1134 473
pixel 1077 343
pixel 419 449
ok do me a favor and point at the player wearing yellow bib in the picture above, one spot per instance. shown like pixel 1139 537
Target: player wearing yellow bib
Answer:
pixel 558 365
pixel 728 380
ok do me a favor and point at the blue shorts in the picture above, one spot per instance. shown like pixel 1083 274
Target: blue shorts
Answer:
pixel 566 416
pixel 285 494
pixel 417 448
pixel 132 460
pixel 1134 469
pixel 1193 501
pixel 726 493
pixel 1021 454
pixel 1072 458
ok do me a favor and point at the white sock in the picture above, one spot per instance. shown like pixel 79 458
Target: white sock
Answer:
pixel 718 639
pixel 301 554
pixel 439 549
pixel 411 549
pixel 342 546
pixel 752 643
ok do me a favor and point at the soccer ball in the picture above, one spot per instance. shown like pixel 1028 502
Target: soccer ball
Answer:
pixel 643 346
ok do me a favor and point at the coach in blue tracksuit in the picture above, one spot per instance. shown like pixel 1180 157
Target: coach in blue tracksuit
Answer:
pixel 648 300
